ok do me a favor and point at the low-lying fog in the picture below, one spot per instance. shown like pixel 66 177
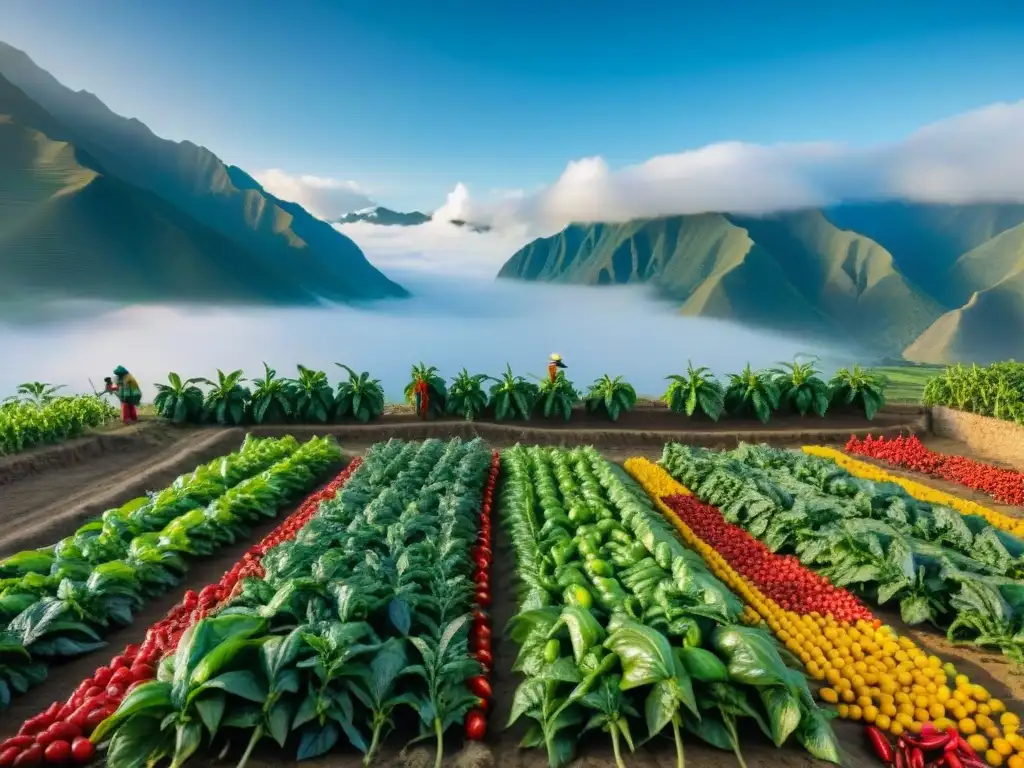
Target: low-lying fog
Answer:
pixel 453 322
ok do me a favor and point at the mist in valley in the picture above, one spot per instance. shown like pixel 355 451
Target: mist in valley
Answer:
pixel 451 322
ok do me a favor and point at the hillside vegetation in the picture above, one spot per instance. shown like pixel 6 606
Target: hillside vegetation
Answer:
pixel 934 282
pixel 87 191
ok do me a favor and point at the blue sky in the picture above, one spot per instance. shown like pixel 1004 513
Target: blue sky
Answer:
pixel 406 98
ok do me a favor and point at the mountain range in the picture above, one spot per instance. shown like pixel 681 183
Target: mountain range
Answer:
pixel 932 283
pixel 96 206
pixel 385 217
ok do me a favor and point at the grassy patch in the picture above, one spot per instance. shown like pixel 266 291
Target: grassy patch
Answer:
pixel 906 382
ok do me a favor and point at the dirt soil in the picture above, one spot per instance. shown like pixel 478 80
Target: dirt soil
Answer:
pixel 101 483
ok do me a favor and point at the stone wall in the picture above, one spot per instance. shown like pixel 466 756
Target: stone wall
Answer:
pixel 1002 440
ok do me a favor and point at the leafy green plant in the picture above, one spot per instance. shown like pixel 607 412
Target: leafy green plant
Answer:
pixel 695 393
pixel 996 390
pixel 557 397
pixel 314 398
pixel 360 398
pixel 800 388
pixel 227 398
pixel 180 402
pixel 752 392
pixel 466 395
pixel 512 397
pixel 611 397
pixel 859 388
pixel 437 393
pixel 38 392
pixel 272 399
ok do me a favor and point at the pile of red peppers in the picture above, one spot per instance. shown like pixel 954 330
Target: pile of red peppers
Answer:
pixel 931 748
pixel 480 633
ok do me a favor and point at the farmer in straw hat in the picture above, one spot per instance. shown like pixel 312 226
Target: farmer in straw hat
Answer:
pixel 553 366
pixel 127 391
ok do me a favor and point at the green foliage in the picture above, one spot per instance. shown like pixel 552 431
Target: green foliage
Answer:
pixel 180 402
pixel 437 393
pixel 800 388
pixel 557 397
pixel 466 395
pixel 314 398
pixel 610 397
pixel 227 399
pixel 695 393
pixel 24 425
pixel 38 392
pixel 512 397
pixel 858 388
pixel 752 392
pixel 272 400
pixel 360 398
pixel 996 390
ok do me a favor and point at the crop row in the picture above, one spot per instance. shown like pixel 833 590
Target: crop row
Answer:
pixel 996 390
pixel 310 398
pixel 62 731
pixel 358 625
pixel 869 672
pixel 941 566
pixel 27 423
pixel 616 617
pixel 1004 485
pixel 59 601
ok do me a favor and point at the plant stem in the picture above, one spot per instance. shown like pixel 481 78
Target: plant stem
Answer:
pixel 731 725
pixel 440 742
pixel 680 762
pixel 614 730
pixel 256 736
pixel 374 743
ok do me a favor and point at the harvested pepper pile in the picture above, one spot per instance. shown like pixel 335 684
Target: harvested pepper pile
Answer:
pixel 1003 485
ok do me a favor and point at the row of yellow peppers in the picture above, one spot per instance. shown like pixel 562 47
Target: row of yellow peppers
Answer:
pixel 922 492
pixel 868 671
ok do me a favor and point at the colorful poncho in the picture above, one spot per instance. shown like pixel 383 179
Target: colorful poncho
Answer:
pixel 128 390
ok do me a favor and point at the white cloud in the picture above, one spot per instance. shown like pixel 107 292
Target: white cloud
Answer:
pixel 437 246
pixel 324 197
pixel 977 156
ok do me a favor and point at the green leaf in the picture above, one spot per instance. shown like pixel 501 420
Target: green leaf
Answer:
pixel 211 710
pixel 660 706
pixel 584 630
pixel 187 740
pixel 528 696
pixel 752 656
pixel 783 713
pixel 242 683
pixel 645 654
pixel 317 740
pixel 151 699
pixel 816 736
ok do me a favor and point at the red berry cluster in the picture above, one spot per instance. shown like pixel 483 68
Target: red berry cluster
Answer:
pixel 480 633
pixel 60 734
pixel 780 578
pixel 1004 485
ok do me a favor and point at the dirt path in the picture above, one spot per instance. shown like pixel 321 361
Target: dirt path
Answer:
pixel 40 508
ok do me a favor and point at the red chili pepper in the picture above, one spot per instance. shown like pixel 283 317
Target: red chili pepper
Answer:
pixel 880 744
pixel 952 761
pixel 930 742
pixel 916 758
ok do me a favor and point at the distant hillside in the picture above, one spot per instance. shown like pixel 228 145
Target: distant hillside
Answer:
pixel 257 233
pixel 385 217
pixel 70 230
pixel 794 272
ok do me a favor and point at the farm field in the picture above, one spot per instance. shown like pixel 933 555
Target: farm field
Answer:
pixel 162 455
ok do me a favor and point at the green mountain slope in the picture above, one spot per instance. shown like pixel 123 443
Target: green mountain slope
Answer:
pixel 280 236
pixel 927 239
pixel 988 325
pixel 68 230
pixel 791 272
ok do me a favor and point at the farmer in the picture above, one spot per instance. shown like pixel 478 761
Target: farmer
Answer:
pixel 554 365
pixel 422 390
pixel 127 391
